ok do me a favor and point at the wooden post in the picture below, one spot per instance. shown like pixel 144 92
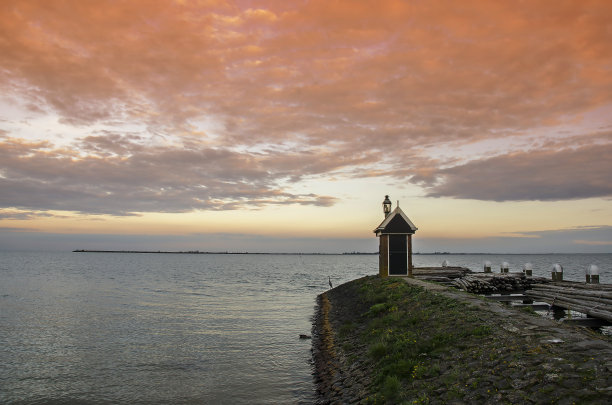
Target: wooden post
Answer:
pixel 592 274
pixel 409 255
pixel 383 256
pixel 557 272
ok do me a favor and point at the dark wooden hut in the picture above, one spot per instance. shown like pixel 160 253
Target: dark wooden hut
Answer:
pixel 395 250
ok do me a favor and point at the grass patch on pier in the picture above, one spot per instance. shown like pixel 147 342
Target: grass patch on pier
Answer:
pixel 401 344
pixel 406 331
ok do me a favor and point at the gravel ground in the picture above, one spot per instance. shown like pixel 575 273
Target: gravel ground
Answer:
pixel 526 359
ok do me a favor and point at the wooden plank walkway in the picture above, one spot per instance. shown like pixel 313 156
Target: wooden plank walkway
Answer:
pixel 587 322
pixel 508 298
pixel 594 300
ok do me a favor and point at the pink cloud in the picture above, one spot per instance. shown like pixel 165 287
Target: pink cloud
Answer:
pixel 313 87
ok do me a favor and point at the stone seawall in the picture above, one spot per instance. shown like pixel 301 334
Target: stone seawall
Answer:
pixel 337 380
pixel 404 340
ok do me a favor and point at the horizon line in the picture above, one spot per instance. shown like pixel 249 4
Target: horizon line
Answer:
pixel 317 253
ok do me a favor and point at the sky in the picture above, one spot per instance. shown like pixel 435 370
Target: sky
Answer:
pixel 280 126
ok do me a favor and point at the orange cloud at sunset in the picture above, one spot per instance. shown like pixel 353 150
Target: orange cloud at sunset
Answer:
pixel 124 108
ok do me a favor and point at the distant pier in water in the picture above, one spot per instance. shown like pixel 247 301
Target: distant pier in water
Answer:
pixel 197 252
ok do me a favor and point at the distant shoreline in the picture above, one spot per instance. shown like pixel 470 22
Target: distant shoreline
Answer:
pixel 197 252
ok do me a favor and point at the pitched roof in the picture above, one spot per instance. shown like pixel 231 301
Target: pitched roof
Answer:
pixel 396 222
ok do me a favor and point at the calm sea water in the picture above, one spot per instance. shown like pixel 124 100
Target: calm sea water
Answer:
pixel 97 328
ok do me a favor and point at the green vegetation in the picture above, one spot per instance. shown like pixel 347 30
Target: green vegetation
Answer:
pixel 413 346
pixel 529 310
pixel 346 329
pixel 401 350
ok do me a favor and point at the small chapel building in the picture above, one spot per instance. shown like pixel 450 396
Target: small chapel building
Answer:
pixel 395 248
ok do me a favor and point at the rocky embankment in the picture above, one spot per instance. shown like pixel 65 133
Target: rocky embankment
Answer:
pixel 407 341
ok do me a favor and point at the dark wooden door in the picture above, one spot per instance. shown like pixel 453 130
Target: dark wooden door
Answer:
pixel 398 257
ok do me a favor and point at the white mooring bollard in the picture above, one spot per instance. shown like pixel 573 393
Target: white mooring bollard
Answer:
pixel 487 266
pixel 592 274
pixel 557 272
pixel 528 269
pixel 505 267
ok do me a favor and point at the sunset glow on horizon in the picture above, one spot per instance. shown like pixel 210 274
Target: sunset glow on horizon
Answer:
pixel 281 125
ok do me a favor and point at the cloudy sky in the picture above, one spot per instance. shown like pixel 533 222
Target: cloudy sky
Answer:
pixel 281 125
